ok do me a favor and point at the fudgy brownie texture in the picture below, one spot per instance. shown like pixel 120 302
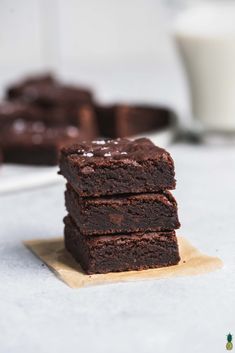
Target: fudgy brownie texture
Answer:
pixel 121 166
pixel 47 91
pixel 122 214
pixel 139 251
pixel 126 120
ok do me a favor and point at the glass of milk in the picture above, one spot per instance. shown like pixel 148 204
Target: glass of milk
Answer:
pixel 205 35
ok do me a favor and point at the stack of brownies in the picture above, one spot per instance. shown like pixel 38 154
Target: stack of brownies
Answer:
pixel 121 215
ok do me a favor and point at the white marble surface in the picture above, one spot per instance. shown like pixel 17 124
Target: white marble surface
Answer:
pixel 39 313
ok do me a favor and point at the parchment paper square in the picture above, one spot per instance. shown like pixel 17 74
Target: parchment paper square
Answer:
pixel 54 255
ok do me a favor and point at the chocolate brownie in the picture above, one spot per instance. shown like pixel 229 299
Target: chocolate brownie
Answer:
pixel 16 110
pixel 35 143
pixel 49 92
pixel 126 120
pixel 82 116
pixel 121 166
pixel 12 111
pixel 138 251
pixel 15 90
pixel 56 95
pixel 33 135
pixel 122 214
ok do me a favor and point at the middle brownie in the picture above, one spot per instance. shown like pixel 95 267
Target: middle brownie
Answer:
pixel 117 214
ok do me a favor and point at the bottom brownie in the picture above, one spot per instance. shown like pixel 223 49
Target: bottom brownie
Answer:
pixel 135 251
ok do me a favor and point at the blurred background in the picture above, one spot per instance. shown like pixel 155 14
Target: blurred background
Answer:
pixel 123 49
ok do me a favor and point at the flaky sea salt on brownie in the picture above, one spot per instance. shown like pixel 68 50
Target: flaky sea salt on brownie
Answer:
pixel 121 166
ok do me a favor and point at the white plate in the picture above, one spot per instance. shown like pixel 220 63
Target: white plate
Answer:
pixel 162 138
pixel 17 177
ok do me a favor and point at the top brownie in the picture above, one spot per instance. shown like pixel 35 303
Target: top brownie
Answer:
pixel 121 166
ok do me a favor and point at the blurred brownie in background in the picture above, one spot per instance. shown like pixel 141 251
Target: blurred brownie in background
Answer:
pixel 36 144
pixel 82 116
pixel 31 135
pixel 127 120
pixel 42 115
pixel 15 90
pixel 47 91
